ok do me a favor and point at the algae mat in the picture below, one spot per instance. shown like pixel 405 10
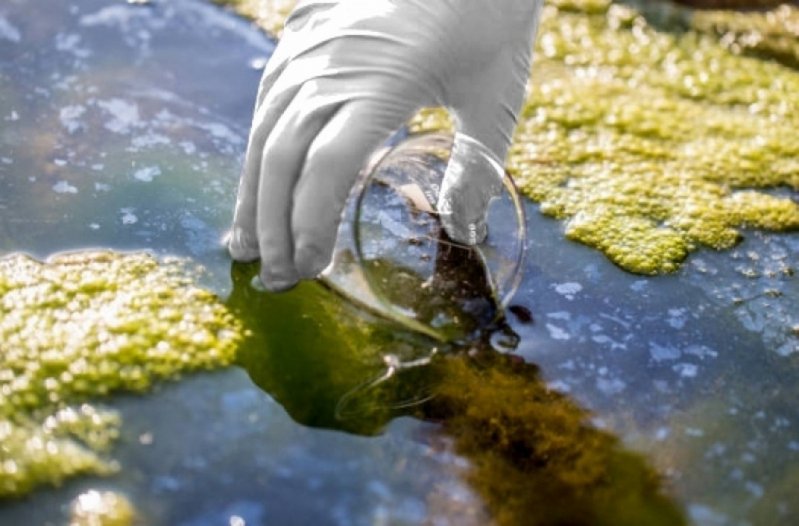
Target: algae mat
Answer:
pixel 86 325
pixel 651 143
pixel 652 130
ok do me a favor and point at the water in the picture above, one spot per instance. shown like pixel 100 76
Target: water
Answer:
pixel 123 127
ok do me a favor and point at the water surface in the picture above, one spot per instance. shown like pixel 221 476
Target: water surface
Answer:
pixel 123 127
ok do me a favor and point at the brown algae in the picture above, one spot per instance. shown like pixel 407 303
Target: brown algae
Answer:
pixel 534 456
pixel 648 142
pixel 82 326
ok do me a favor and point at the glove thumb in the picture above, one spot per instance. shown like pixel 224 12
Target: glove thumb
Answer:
pixel 485 104
pixel 472 179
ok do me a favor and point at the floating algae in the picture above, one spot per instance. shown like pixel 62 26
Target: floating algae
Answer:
pixel 317 366
pixel 650 144
pixel 102 508
pixel 85 325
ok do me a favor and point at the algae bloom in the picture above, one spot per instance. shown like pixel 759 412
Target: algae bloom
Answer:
pixel 651 136
pixel 85 325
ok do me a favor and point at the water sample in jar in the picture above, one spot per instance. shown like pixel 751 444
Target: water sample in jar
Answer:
pixel 394 256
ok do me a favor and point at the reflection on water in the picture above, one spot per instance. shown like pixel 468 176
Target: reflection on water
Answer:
pixel 122 127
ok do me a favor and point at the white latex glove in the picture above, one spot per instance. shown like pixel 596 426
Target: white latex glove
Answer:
pixel 345 75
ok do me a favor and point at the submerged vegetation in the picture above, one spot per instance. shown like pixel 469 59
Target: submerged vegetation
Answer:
pixel 85 325
pixel 534 456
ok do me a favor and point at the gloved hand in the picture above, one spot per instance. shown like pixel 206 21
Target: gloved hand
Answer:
pixel 345 75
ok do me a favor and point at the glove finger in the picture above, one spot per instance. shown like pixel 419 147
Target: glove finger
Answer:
pixel 473 174
pixel 485 131
pixel 274 68
pixel 334 161
pixel 283 158
pixel 472 179
pixel 243 241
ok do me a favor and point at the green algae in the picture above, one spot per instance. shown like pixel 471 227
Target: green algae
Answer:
pixel 310 363
pixel 772 34
pixel 102 508
pixel 43 450
pixel 85 325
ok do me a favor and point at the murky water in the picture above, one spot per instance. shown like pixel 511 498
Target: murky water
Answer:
pixel 123 127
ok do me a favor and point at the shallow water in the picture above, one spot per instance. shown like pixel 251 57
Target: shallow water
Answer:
pixel 123 127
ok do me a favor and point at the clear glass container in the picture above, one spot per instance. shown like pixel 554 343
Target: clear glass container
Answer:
pixel 394 257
